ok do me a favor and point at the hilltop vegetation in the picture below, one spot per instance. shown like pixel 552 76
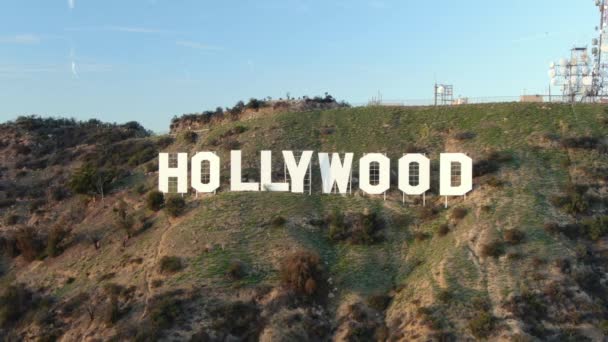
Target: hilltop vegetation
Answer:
pixel 92 251
pixel 253 108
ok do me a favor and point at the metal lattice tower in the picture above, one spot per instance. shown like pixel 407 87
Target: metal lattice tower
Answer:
pixel 582 77
pixel 600 51
pixel 444 94
pixel 574 75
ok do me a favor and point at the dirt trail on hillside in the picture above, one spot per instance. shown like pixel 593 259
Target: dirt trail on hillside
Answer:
pixel 153 262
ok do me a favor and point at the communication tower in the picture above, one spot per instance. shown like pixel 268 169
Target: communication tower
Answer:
pixel 444 94
pixel 583 76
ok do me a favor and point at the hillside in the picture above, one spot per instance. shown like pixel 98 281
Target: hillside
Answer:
pixel 523 257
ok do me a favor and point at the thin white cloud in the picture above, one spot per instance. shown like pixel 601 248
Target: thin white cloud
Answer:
pixel 197 45
pixel 125 29
pixel 131 29
pixel 71 4
pixel 26 69
pixel 20 39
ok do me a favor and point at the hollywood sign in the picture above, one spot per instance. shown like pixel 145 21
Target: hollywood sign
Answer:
pixel 336 173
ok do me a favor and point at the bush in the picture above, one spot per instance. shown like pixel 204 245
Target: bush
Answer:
pixel 495 182
pixel 327 130
pixel 484 167
pixel 165 311
pixel 231 144
pixel 482 324
pixel 238 129
pixel 428 213
pixel 164 142
pixel 155 200
pixel 36 204
pixel 365 227
pixel 464 135
pixel 443 230
pixel 551 227
pixel 170 264
pixel 255 104
pixel 592 228
pixel 187 137
pixel 8 246
pixel 236 270
pixel 278 221
pixel 492 249
pixel 124 220
pixel 379 302
pixel 491 163
pixel 596 228
pixel 355 228
pixel 89 179
pixel 151 167
pixel 513 236
pixel 175 206
pixel 481 303
pixel 500 156
pixel 429 318
pixel 604 327
pixel 239 319
pixel 514 256
pixel 140 189
pixel 444 296
pixel 15 301
pixel 528 306
pixel 421 236
pixel 55 239
pixel 336 223
pixel 58 193
pixel 142 154
pixel 581 251
pixel 74 303
pixel 563 265
pixel 29 243
pixel 590 281
pixel 22 149
pixel 302 272
pixel 580 142
pixel 8 202
pixel 11 219
pixel 576 205
pixel 573 202
pixel 459 213
pixel 236 110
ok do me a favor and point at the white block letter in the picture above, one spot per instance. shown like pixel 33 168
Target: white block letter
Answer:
pixel 180 172
pixel 214 172
pixel 335 172
pixel 384 180
pixel 266 174
pixel 424 174
pixel 236 183
pixel 297 172
pixel 445 174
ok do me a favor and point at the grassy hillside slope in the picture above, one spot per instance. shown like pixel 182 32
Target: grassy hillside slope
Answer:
pixel 522 257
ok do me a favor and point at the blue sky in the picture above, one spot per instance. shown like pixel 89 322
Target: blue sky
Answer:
pixel 148 60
